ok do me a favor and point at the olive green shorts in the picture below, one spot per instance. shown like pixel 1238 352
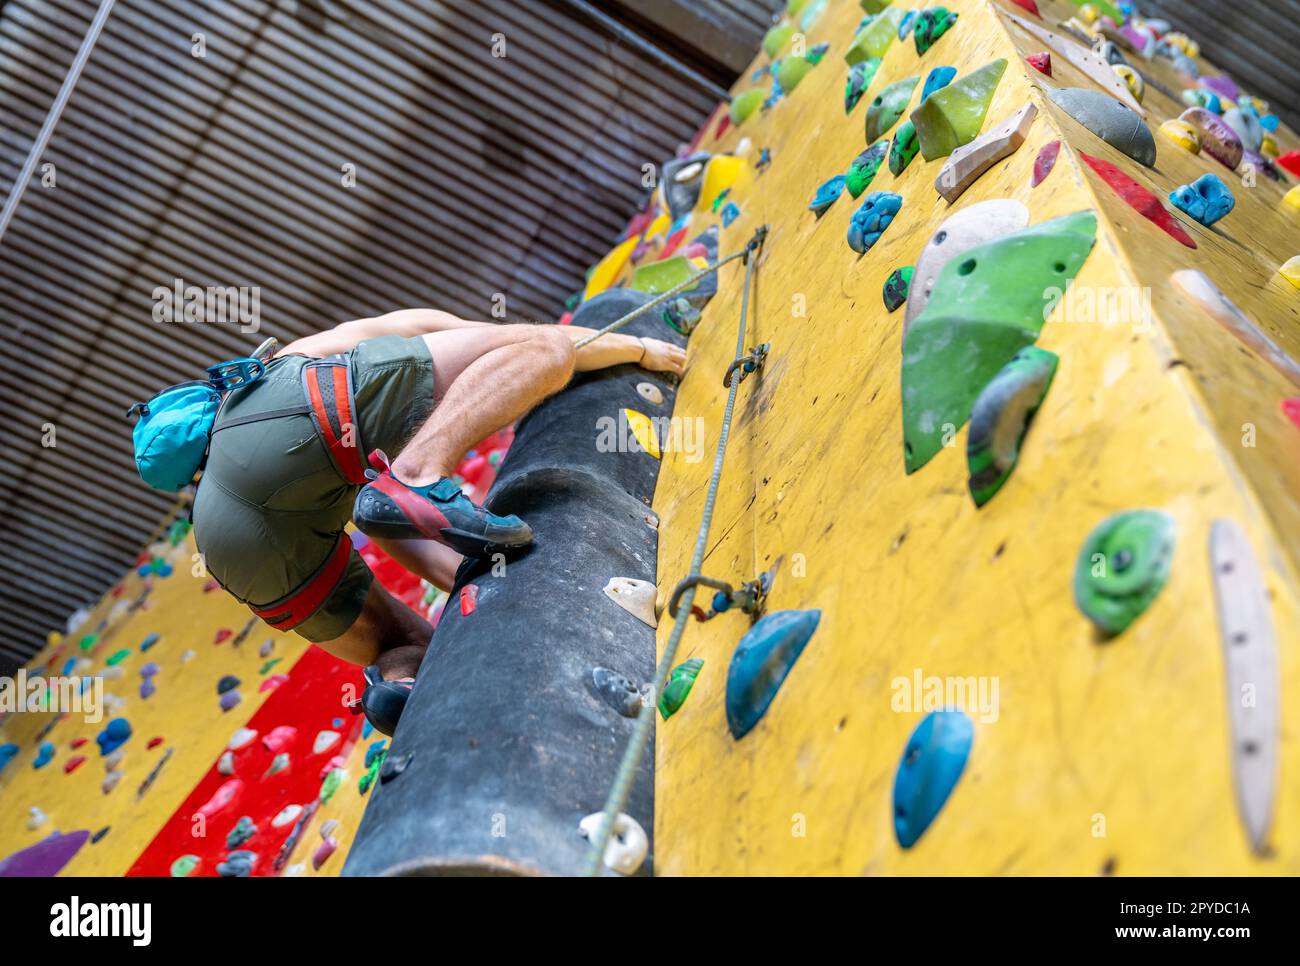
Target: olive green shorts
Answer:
pixel 271 507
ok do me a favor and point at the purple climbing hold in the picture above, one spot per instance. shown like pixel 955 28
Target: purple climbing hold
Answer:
pixel 230 699
pixel 46 858
pixel 149 670
pixel 147 688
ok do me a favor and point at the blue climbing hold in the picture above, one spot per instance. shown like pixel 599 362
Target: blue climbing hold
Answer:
pixel 826 195
pixel 932 763
pixel 1269 122
pixel 7 752
pixel 905 25
pixel 68 666
pixel 113 736
pixel 730 213
pixel 149 642
pixel 939 78
pixel 1207 199
pixel 44 754
pixel 367 729
pixel 872 218
pixel 762 659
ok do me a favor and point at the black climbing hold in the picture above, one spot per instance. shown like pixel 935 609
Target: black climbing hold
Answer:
pixel 227 683
pixel 393 766
pixel 896 287
pixel 617 691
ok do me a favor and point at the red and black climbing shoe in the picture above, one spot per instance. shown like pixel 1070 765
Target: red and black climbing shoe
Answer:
pixel 388 508
pixel 383 701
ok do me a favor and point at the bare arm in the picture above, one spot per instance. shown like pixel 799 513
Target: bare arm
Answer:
pixel 404 322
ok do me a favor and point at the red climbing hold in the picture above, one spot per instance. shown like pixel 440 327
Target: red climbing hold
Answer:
pixel 1029 5
pixel 1045 162
pixel 1041 62
pixel 468 599
pixel 1140 199
pixel 154 742
pixel 1291 161
pixel 72 764
pixel 273 682
pixel 724 122
pixel 1292 409
pixel 223 635
pixel 566 318
pixel 221 799
pixel 76 743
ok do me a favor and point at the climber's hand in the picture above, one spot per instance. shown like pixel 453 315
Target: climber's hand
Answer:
pixel 659 356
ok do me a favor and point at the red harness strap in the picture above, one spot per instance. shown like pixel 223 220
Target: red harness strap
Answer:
pixel 288 612
pixel 328 384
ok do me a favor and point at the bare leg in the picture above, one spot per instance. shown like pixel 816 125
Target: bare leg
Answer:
pixel 484 378
pixel 433 561
pixel 387 633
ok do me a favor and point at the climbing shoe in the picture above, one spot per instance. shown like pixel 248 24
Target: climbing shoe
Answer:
pixel 387 507
pixel 382 701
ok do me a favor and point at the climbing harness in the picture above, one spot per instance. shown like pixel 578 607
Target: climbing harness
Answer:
pixel 751 246
pixel 627 769
pixel 294 608
pixel 327 384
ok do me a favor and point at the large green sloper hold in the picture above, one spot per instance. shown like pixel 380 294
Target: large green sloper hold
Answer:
pixel 987 305
pixel 874 39
pixel 889 106
pixel 953 116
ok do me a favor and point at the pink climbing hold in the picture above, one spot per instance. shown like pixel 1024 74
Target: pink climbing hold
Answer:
pixel 223 635
pixel 323 852
pixel 210 586
pixel 1291 407
pixel 154 742
pixel 221 799
pixel 273 682
pixel 1041 62
pixel 468 599
pixel 1045 162
pixel 1139 199
pixel 72 764
pixel 281 738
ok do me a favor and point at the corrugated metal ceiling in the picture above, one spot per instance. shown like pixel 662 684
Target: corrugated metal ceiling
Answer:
pixel 475 175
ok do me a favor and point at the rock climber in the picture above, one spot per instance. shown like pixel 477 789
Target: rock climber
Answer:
pixel 286 469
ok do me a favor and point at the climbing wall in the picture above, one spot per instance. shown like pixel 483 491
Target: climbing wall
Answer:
pixel 224 748
pixel 1121 677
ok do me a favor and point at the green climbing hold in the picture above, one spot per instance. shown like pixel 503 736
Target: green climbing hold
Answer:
pixel 183 866
pixel 332 783
pixel 861 75
pixel 988 304
pixel 266 668
pixel 88 641
pixel 678 686
pixel 889 106
pixel 1123 566
pixel 793 70
pixel 874 39
pixel 658 277
pixel 118 657
pixel 1000 418
pixel 953 116
pixel 904 148
pixel 930 26
pixel 863 168
pixel 743 105
pixel 874 6
pixel 774 40
pixel 897 286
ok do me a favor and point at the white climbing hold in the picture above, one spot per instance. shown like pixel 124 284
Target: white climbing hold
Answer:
pixel 288 815
pixel 325 740
pixel 329 828
pixel 36 818
pixel 226 763
pixel 187 655
pixel 242 737
pixel 650 393
pixel 296 870
pixel 278 764
pixel 112 673
pixel 689 172
pixel 83 664
pixel 110 781
pixel 114 704
pixel 961 232
pixel 637 597
pixel 113 760
pixel 267 647
pixel 628 843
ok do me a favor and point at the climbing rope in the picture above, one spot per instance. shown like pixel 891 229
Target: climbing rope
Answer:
pixel 619 791
pixel 665 296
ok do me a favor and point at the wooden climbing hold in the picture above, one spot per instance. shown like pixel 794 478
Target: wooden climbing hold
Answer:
pixel 869 222
pixel 966 333
pixel 1206 200
pixel 1110 120
pixel 1001 416
pixel 1251 668
pixel 896 286
pixel 678 686
pixel 1081 55
pixel 888 107
pixel 1041 62
pixel 931 765
pixel 965 165
pixel 1122 567
pixel 1140 199
pixel 628 844
pixel 863 168
pixel 1045 162
pixel 637 597
pixel 761 662
pixel 953 116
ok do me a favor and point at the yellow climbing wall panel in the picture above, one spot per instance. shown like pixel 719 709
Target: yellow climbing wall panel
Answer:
pixel 1104 756
pixel 183 711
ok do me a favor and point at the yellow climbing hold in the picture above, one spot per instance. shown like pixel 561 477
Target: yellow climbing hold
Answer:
pixel 1183 134
pixel 644 430
pixel 1291 271
pixel 1133 79
pixel 1292 197
pixel 1089 13
pixel 609 268
pixel 724 171
pixel 1269 146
